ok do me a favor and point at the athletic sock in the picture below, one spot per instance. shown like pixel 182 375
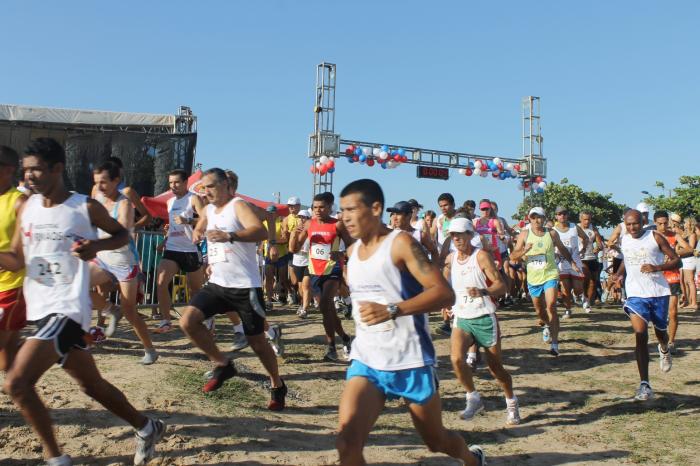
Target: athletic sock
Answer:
pixel 271 332
pixel 238 328
pixel 471 356
pixel 146 430
pixel 473 395
pixel 511 401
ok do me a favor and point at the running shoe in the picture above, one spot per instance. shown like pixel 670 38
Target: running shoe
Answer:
pixel 63 460
pixel 301 312
pixel 239 341
pixel 115 315
pixel 209 324
pixel 277 398
pixel 671 347
pixel 474 407
pixel 444 329
pixel 268 306
pixel 546 335
pixel 347 346
pixel 220 375
pixel 150 356
pixel 554 349
pixel 587 307
pixel 347 313
pixel 163 327
pixel 471 362
pixel 665 359
pixel 644 392
pixel 97 335
pixel 479 453
pixel 567 314
pixel 276 340
pixel 512 413
pixel 146 446
pixel 331 355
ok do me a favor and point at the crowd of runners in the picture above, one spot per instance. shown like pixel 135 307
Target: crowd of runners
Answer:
pixel 63 255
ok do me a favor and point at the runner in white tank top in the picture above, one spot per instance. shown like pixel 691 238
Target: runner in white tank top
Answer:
pixel 589 259
pixel 403 211
pixel 647 293
pixel 475 280
pixel 571 280
pixel 120 264
pixel 232 230
pixel 393 286
pixel 54 239
pixel 181 253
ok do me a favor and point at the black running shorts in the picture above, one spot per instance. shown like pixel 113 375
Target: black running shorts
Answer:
pixel 65 333
pixel 187 261
pixel 593 265
pixel 213 299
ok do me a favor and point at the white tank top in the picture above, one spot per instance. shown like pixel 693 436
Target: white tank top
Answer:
pixel 469 275
pixel 443 225
pixel 127 255
pixel 588 253
pixel 570 239
pixel 233 265
pixel 301 258
pixel 638 252
pixel 180 236
pixel 57 282
pixel 403 343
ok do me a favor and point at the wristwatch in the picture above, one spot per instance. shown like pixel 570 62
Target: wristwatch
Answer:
pixel 393 311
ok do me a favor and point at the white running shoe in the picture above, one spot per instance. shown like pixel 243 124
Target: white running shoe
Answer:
pixel 587 307
pixel 239 341
pixel 301 312
pixel 644 392
pixel 546 336
pixel 149 357
pixel 665 360
pixel 474 407
pixel 115 315
pixel 554 349
pixel 276 341
pixel 567 314
pixel 63 460
pixel 146 446
pixel 512 413
pixel 477 451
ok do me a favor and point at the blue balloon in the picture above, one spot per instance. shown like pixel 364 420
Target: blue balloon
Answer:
pixel 385 148
pixel 402 152
pixel 492 166
pixel 471 165
pixel 384 165
pixel 358 151
pixel 351 160
pixel 502 176
pixel 363 158
pixel 331 170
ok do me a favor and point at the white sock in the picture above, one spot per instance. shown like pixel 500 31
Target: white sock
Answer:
pixel 471 356
pixel 146 430
pixel 238 328
pixel 511 401
pixel 473 395
pixel 271 332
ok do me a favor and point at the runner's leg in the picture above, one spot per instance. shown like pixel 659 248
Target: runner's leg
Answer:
pixel 550 296
pixel 166 271
pixel 191 323
pixel 493 359
pixel 360 406
pixel 129 293
pixel 641 351
pixel 672 318
pixel 459 345
pixel 9 344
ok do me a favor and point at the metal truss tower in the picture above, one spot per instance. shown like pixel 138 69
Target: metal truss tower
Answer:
pixel 532 137
pixel 324 141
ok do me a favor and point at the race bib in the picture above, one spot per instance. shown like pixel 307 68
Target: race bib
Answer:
pixel 53 269
pixel 357 301
pixel 216 252
pixel 320 251
pixel 537 262
pixel 466 304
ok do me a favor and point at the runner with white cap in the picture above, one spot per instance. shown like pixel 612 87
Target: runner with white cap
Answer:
pixel 571 281
pixel 290 223
pixel 476 281
pixel 591 265
pixel 403 211
pixel 300 268
pixel 537 244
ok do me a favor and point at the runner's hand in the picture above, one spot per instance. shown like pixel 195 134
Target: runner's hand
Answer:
pixel 197 236
pixel 528 246
pixel 576 268
pixel 648 268
pixel 84 250
pixel 180 220
pixel 474 292
pixel 217 236
pixel 373 313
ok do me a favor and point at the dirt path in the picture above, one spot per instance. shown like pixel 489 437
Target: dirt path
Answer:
pixel 577 409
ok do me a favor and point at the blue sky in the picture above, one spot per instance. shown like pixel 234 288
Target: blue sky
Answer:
pixel 618 82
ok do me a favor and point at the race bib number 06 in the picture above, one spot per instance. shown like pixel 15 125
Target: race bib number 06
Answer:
pixel 53 269
pixel 320 251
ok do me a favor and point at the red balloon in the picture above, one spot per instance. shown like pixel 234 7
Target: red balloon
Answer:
pixel 468 172
pixel 351 147
pixel 349 151
pixel 517 166
pixel 330 164
pixel 313 169
pixel 500 166
pixel 323 170
pixel 397 158
pixel 526 185
pixel 355 158
pixel 494 174
pixel 370 162
pixel 538 179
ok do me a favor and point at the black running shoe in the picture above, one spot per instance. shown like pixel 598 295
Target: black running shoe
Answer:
pixel 277 398
pixel 219 375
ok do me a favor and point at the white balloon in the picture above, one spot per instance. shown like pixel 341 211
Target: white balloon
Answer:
pixel 331 159
pixel 383 155
pixel 542 184
pixel 366 151
pixel 319 164
pixel 477 170
pixel 514 172
pixel 477 166
pixel 462 171
pixel 509 167
pixel 391 164
pixel 376 151
pixel 323 159
pixel 496 160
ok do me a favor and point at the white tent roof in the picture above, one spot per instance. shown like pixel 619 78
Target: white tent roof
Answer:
pixel 82 117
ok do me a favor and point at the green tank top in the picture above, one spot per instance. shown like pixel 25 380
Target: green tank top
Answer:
pixel 541 265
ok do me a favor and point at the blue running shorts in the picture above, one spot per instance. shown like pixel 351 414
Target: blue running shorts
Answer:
pixel 537 290
pixel 654 310
pixel 416 385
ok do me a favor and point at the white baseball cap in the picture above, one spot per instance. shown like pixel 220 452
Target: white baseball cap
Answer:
pixel 643 207
pixel 461 225
pixel 294 200
pixel 304 213
pixel 537 211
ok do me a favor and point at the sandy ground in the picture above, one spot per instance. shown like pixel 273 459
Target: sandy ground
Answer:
pixel 577 409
